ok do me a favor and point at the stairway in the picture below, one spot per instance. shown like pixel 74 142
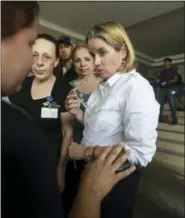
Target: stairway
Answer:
pixel 161 188
pixel 170 150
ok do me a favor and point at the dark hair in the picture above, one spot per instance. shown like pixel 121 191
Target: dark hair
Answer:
pixel 50 39
pixel 16 15
pixel 167 59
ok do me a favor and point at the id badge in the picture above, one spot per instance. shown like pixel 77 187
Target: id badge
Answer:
pixel 49 113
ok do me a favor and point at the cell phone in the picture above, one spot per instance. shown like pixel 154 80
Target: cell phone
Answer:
pixel 125 166
pixel 77 92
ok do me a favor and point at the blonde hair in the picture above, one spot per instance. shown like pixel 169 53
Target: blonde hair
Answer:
pixel 115 35
pixel 77 47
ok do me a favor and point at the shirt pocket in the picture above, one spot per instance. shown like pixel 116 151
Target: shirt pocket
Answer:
pixel 105 116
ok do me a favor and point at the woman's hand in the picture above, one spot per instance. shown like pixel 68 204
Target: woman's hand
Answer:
pixel 76 151
pixel 72 103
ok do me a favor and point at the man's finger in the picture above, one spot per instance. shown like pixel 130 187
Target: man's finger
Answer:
pixel 125 173
pixel 120 161
pixel 104 153
pixel 120 154
pixel 111 157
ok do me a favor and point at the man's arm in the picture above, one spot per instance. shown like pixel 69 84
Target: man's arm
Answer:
pixel 97 181
pixel 175 80
pixel 86 205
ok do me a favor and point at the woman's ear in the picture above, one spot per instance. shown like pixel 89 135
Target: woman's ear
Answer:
pixel 124 51
pixel 56 62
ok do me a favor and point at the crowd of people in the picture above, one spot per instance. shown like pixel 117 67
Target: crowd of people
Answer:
pixel 79 123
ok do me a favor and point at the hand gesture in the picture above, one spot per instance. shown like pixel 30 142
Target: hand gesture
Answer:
pixel 72 102
pixel 100 177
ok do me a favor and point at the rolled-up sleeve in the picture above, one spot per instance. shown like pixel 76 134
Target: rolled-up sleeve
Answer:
pixel 140 120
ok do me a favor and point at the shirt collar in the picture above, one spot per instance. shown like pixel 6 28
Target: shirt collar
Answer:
pixel 111 81
pixel 114 78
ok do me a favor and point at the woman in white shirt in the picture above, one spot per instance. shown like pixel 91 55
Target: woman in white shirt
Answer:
pixel 122 110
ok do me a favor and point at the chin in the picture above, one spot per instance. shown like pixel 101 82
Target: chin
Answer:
pixel 84 74
pixel 103 76
pixel 40 77
pixel 65 58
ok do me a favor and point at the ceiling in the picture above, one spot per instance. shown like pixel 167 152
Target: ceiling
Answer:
pixel 160 36
pixel 155 28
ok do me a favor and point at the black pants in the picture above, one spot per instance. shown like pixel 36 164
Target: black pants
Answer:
pixel 120 201
pixel 72 181
pixel 117 204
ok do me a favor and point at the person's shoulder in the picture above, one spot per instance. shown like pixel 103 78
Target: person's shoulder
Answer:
pixel 13 116
pixel 62 85
pixel 18 128
pixel 72 69
pixel 137 83
pixel 134 77
pixel 174 70
pixel 27 82
pixel 61 90
pixel 18 97
pixel 70 74
pixel 141 80
pixel 139 89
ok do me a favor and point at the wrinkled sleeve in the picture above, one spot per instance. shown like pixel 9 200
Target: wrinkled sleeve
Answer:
pixel 140 120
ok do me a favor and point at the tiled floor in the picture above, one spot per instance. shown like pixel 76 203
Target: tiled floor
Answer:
pixel 161 193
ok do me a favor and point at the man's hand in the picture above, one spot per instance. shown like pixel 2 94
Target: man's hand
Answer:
pixel 163 83
pixel 97 181
pixel 100 177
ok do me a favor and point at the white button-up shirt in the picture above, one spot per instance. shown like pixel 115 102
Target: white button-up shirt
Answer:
pixel 123 110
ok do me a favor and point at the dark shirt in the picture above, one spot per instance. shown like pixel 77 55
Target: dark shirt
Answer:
pixel 28 180
pixel 180 79
pixel 167 75
pixel 51 126
pixel 68 76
